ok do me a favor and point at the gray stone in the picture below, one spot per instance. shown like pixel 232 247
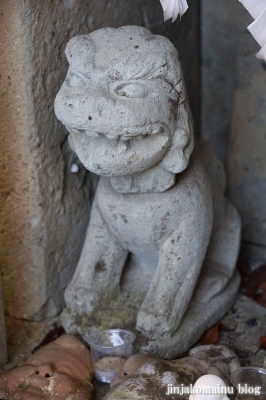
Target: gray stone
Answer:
pixel 247 148
pixel 234 113
pixel 3 348
pixel 44 207
pixel 147 378
pixel 220 33
pixel 124 104
pixel 245 324
pixel 197 319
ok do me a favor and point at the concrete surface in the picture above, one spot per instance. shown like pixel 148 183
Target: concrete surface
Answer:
pixel 44 207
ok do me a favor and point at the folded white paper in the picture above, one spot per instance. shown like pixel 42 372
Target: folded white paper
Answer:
pixel 173 8
pixel 258 29
pixel 262 53
pixel 257 9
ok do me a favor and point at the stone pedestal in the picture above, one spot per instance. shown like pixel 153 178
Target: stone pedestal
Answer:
pixel 3 348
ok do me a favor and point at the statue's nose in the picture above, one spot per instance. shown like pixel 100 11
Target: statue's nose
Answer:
pixel 45 370
pixel 86 108
pixel 96 99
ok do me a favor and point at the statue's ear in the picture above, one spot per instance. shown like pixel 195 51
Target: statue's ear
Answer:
pixel 80 52
pixel 177 158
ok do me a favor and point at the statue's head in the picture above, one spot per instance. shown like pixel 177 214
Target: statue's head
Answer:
pixel 124 102
pixel 61 370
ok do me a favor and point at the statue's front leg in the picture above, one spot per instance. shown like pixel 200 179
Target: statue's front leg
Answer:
pixel 180 261
pixel 99 269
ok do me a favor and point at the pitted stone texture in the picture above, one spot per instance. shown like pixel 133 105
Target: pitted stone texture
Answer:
pixel 44 207
pixel 3 348
pixel 62 370
pixel 120 107
pixel 198 318
pixel 147 378
pixel 125 106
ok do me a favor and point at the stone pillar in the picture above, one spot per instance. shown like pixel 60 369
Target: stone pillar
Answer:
pixel 247 149
pixel 220 34
pixel 234 113
pixel 185 35
pixel 3 349
pixel 44 206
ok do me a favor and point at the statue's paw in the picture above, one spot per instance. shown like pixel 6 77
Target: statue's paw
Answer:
pixel 155 325
pixel 79 300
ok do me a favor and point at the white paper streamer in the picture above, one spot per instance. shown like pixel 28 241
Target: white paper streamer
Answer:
pixel 262 53
pixel 173 8
pixel 257 9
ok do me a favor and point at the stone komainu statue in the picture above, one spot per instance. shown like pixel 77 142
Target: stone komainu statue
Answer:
pixel 125 107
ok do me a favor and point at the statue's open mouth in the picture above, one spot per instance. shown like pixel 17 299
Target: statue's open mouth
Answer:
pixel 121 155
pixel 125 133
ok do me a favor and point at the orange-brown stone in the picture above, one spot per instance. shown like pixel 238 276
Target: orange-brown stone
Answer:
pixel 61 370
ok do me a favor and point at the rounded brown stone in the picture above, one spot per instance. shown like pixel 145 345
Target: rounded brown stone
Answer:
pixel 61 370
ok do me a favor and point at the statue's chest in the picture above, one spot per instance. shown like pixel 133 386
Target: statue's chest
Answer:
pixel 137 220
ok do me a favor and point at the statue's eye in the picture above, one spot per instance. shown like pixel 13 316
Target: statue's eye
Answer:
pixel 132 90
pixel 76 81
